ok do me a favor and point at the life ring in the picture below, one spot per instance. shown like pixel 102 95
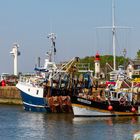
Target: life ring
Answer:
pixel 122 101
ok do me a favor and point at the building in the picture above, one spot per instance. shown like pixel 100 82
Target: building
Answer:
pixel 133 68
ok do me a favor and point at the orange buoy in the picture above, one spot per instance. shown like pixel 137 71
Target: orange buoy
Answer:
pixel 110 107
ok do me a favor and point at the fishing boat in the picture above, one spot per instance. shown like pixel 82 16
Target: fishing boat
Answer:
pixel 40 92
pixel 112 104
pixel 115 100
pixel 123 99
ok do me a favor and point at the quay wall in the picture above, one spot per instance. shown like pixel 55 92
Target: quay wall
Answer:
pixel 10 95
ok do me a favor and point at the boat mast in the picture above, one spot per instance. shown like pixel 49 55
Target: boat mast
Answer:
pixel 113 35
pixel 52 53
pixel 113 28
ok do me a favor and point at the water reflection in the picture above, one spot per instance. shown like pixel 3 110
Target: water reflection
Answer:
pixel 109 128
pixel 69 118
pixel 108 120
pixel 18 124
pixel 43 125
pixel 66 126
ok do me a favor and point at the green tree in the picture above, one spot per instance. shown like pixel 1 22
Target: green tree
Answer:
pixel 138 54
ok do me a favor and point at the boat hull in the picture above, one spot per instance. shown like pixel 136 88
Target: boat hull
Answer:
pixel 32 98
pixel 35 104
pixel 85 111
pixel 87 108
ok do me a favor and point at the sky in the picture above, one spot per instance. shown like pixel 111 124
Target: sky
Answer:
pixel 75 22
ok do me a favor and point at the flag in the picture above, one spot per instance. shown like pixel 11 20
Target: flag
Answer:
pixel 53 43
pixel 54 50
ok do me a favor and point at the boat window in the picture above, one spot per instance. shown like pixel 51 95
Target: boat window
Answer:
pixel 119 95
pixel 37 92
pixel 114 94
pixel 28 89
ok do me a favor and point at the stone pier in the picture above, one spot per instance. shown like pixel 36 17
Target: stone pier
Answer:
pixel 10 95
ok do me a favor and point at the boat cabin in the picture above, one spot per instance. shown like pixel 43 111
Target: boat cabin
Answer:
pixel 116 96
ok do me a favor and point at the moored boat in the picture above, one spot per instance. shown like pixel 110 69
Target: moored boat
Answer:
pixel 114 100
pixel 39 90
pixel 112 103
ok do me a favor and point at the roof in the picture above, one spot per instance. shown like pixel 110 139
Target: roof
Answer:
pixel 135 62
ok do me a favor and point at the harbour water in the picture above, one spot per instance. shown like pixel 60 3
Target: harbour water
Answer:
pixel 17 124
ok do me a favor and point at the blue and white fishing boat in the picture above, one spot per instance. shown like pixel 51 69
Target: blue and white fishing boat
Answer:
pixel 33 89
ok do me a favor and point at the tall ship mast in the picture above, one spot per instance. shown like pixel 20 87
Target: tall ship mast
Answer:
pixel 114 27
pixel 113 35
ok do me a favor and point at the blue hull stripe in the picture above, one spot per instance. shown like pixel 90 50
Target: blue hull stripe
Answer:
pixel 36 108
pixel 34 103
pixel 33 100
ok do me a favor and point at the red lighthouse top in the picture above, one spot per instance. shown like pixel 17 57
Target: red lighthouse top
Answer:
pixel 97 56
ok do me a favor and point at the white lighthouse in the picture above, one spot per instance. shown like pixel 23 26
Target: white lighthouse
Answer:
pixel 97 65
pixel 15 53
